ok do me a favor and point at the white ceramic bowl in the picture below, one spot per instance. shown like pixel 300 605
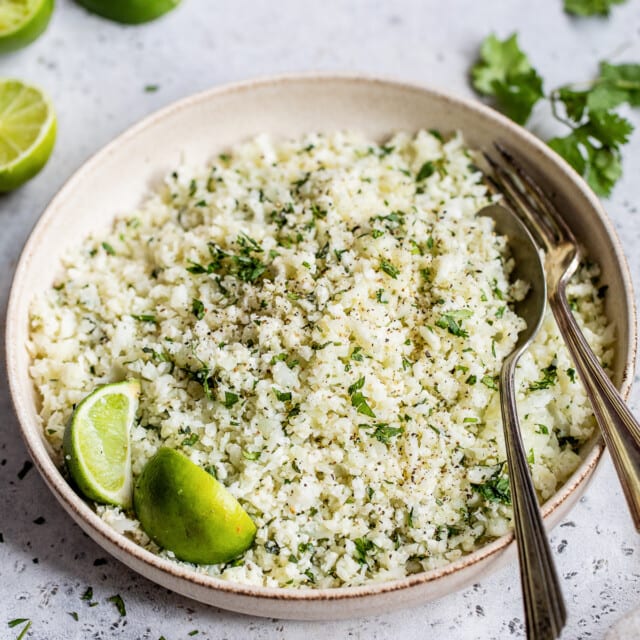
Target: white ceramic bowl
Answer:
pixel 198 128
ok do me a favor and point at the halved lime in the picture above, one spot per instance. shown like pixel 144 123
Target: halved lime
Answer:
pixel 22 21
pixel 96 443
pixel 27 132
pixel 186 510
pixel 130 11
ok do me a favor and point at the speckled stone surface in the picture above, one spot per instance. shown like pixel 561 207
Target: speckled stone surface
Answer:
pixel 96 73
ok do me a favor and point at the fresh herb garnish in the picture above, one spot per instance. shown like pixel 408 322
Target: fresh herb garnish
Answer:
pixel 358 400
pixel 505 73
pixel 250 455
pixel 283 396
pixel 119 603
pixel 426 170
pixel 382 432
pixel 548 379
pixel 572 374
pixel 108 248
pixel 190 440
pixel 364 546
pixel 389 269
pixel 489 382
pixel 230 399
pixel 451 321
pixel 597 132
pixel 197 308
pixel 590 7
pixel 496 488
pixel 144 317
pixel 18 621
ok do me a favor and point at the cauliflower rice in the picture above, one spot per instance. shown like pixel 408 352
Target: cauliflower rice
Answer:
pixel 320 323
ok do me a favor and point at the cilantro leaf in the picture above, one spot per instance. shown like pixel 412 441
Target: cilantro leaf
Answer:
pixel 496 488
pixel 590 7
pixel 382 432
pixel 505 73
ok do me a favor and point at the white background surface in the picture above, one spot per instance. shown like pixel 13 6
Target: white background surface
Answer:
pixel 96 73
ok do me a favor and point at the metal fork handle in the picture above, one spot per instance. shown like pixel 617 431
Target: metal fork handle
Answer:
pixel 545 613
pixel 619 428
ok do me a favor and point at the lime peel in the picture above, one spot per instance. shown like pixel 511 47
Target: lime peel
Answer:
pixel 22 21
pixel 27 132
pixel 97 446
pixel 188 512
pixel 130 11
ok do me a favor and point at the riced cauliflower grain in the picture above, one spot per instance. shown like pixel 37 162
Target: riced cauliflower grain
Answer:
pixel 320 324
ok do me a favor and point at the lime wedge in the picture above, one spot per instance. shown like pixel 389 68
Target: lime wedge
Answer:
pixel 22 21
pixel 130 11
pixel 185 510
pixel 27 133
pixel 96 443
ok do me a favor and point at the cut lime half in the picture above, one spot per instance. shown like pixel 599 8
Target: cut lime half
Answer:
pixel 27 132
pixel 186 510
pixel 22 21
pixel 130 11
pixel 97 446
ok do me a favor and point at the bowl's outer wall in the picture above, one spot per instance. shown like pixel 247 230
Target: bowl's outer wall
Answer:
pixel 195 130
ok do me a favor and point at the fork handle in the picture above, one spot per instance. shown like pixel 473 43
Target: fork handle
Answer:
pixel 545 613
pixel 619 428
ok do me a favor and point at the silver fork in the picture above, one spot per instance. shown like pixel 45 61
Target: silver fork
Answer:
pixel 620 429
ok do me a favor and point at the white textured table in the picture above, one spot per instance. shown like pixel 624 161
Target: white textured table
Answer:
pixel 97 72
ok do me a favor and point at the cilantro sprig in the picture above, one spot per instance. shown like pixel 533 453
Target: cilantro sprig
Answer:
pixel 596 132
pixel 590 7
pixel 505 72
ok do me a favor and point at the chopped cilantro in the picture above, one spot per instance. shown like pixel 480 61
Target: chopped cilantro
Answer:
pixel 451 321
pixel 108 248
pixel 426 170
pixel 542 429
pixel 197 308
pixel 389 269
pixel 230 399
pixel 190 440
pixel 572 374
pixel 357 354
pixel 283 396
pixel 489 381
pixel 119 603
pixel 548 379
pixel 250 455
pixel 382 432
pixel 496 488
pixel 364 546
pixel 144 317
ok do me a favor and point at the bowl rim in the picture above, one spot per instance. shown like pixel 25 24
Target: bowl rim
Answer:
pixel 72 502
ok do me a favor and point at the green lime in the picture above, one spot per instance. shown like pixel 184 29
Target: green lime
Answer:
pixel 96 443
pixel 186 510
pixel 130 11
pixel 22 21
pixel 27 132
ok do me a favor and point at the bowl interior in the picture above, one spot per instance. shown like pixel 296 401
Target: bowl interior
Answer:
pixel 196 129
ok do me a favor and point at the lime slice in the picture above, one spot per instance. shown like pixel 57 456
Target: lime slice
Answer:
pixel 185 510
pixel 22 21
pixel 130 11
pixel 96 443
pixel 27 132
